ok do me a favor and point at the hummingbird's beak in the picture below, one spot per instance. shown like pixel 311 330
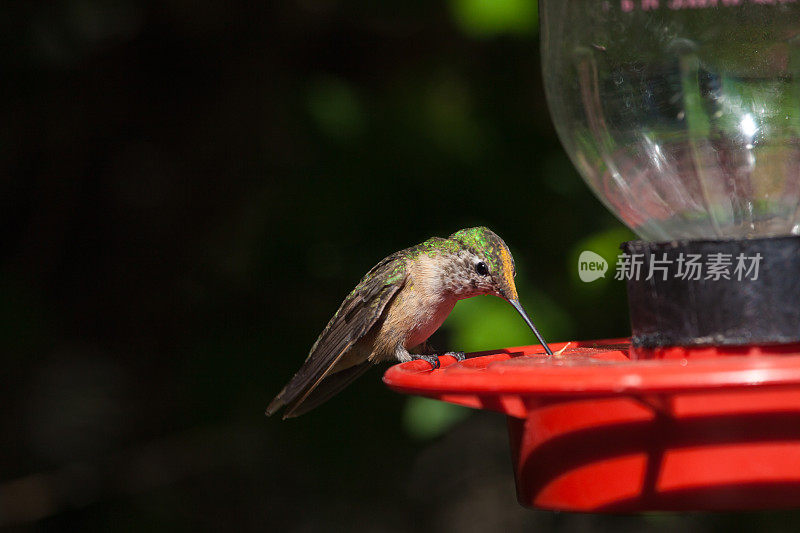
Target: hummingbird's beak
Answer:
pixel 521 311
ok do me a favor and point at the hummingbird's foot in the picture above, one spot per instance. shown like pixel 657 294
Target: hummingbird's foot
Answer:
pixel 458 356
pixel 432 359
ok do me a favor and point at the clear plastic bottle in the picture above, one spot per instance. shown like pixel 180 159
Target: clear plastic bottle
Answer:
pixel 683 116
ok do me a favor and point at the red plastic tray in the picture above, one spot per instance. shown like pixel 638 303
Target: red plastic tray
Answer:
pixel 596 429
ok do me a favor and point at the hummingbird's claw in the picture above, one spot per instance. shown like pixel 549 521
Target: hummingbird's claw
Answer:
pixel 432 359
pixel 458 356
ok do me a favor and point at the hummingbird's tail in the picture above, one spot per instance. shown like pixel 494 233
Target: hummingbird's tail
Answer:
pixel 276 403
pixel 307 399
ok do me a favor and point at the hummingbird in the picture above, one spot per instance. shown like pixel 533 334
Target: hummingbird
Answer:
pixel 395 308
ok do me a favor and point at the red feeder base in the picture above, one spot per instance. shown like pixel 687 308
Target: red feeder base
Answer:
pixel 594 430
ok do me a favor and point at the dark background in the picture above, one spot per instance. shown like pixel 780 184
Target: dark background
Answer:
pixel 189 189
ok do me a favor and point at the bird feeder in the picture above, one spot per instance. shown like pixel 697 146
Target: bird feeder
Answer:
pixel 683 117
pixel 597 430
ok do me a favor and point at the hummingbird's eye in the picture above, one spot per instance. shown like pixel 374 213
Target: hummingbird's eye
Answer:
pixel 482 269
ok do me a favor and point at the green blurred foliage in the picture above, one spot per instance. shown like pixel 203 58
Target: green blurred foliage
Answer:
pixel 336 109
pixel 478 324
pixel 481 18
pixel 424 418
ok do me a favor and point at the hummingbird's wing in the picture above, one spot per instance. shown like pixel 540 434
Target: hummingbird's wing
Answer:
pixel 360 311
pixel 327 389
